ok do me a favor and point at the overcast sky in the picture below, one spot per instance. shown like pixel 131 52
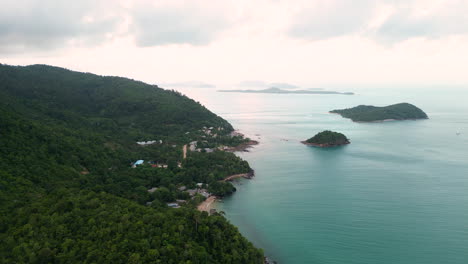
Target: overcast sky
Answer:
pixel 305 42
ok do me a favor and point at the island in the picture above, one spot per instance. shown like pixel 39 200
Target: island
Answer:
pixel 368 113
pixel 327 138
pixel 274 90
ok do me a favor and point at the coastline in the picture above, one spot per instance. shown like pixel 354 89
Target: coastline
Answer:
pixel 390 120
pixel 324 145
pixel 379 121
pixel 208 204
pixel 244 146
pixel 247 175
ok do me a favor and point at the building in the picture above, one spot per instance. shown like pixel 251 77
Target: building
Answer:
pixel 173 205
pixel 138 162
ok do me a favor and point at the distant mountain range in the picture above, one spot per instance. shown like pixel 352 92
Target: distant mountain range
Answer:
pixel 261 84
pixel 275 90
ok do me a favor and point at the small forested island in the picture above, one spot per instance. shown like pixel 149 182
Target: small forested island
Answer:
pixel 368 113
pixel 327 138
pixel 100 169
pixel 274 90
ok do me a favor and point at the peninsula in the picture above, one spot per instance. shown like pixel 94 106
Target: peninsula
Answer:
pixel 368 113
pixel 112 171
pixel 275 90
pixel 327 138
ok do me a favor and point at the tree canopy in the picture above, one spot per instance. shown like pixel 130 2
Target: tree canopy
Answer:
pixel 368 113
pixel 68 193
pixel 328 138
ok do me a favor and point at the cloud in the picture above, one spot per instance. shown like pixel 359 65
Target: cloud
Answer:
pixel 177 23
pixel 49 24
pixel 413 21
pixel 325 19
pixel 402 20
pixel 31 25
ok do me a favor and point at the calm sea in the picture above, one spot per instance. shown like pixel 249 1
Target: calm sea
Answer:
pixel 397 194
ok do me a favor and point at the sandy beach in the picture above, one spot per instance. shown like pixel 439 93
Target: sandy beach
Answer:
pixel 207 204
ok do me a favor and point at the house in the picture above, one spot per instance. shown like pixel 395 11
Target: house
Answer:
pixel 138 162
pixel 182 188
pixel 193 145
pixel 144 143
pixel 204 192
pixel 173 205
pixel 200 184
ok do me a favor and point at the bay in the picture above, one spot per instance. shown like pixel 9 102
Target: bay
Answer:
pixel 397 194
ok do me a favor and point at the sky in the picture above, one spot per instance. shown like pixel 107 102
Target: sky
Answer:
pixel 308 43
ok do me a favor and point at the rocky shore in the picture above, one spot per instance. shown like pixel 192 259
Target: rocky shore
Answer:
pixel 243 147
pixel 325 145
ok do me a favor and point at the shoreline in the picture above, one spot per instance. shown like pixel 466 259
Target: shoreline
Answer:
pixel 209 203
pixel 248 175
pixel 390 120
pixel 324 145
pixel 379 121
pixel 244 146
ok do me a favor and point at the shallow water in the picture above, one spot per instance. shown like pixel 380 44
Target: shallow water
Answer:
pixel 397 194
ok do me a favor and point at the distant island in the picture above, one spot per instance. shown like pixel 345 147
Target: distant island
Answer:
pixel 275 90
pixel 368 113
pixel 327 138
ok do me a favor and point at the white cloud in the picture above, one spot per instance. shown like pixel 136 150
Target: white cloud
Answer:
pixel 176 22
pixel 308 43
pixel 43 25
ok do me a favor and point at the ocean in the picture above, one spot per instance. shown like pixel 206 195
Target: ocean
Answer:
pixel 397 194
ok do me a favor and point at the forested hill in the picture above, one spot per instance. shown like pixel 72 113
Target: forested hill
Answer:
pixel 108 103
pixel 68 193
pixel 369 113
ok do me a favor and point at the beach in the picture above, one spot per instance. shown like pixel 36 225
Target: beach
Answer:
pixel 207 204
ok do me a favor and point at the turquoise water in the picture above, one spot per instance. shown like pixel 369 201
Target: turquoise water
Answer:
pixel 397 194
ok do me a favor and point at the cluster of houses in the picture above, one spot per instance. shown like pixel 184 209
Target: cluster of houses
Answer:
pixel 210 131
pixel 193 147
pixel 236 134
pixel 192 192
pixel 153 164
pixel 145 143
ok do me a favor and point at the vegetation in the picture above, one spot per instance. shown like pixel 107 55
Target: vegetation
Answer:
pixel 367 113
pixel 68 193
pixel 327 138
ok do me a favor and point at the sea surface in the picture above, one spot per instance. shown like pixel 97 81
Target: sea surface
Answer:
pixel 398 194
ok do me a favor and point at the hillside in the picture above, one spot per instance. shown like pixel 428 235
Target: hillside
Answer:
pixel 68 192
pixel 368 113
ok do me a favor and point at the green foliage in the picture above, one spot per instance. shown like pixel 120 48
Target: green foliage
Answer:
pixel 328 137
pixel 367 113
pixel 68 193
pixel 70 226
